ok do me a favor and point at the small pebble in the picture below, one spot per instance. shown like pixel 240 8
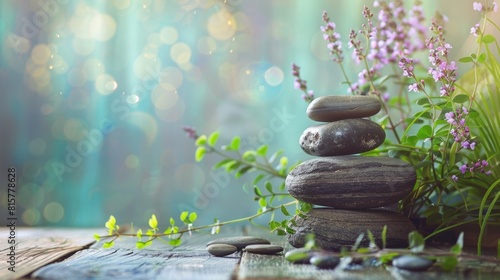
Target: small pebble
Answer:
pixel 412 263
pixel 221 250
pixel 325 261
pixel 239 241
pixel 301 255
pixel 265 249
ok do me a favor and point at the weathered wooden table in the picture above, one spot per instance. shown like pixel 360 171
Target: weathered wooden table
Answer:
pixel 45 253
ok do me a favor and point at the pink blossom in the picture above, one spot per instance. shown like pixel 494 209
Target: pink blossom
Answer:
pixel 495 7
pixel 476 6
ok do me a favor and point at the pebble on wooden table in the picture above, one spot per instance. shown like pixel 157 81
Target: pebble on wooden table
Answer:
pixel 227 245
pixel 221 250
pixel 264 249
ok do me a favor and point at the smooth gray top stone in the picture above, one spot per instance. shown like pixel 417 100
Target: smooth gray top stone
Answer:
pixel 342 137
pixel 351 182
pixel 412 263
pixel 333 108
pixel 239 241
pixel 267 249
pixel 221 250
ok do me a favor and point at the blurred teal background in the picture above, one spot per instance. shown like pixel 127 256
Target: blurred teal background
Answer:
pixel 95 93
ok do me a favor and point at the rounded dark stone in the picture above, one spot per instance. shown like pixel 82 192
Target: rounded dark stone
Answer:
pixel 333 108
pixel 344 137
pixel 351 182
pixel 325 261
pixel 239 242
pixel 221 250
pixel 336 228
pixel 412 263
pixel 266 249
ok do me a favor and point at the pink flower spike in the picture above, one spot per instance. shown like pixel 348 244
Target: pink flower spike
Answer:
pixel 495 7
pixel 476 6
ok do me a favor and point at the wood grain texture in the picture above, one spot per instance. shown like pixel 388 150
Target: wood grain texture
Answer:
pixel 159 261
pixel 34 249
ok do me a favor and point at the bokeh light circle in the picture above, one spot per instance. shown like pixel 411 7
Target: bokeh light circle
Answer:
pixel 53 212
pixel 105 84
pixel 102 27
pixel 169 35
pixel 180 53
pixel 147 66
pixel 221 25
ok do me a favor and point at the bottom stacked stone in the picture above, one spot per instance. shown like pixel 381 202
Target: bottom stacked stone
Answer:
pixel 336 228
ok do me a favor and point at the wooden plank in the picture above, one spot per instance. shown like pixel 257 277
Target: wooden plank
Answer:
pixel 159 261
pixel 254 266
pixel 34 249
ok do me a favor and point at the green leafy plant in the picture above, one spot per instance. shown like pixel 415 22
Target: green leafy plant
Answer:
pixel 447 127
pixel 236 162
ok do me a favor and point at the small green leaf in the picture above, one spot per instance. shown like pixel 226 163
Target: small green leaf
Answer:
pixel 280 232
pixel 424 132
pixel 108 244
pixel 423 101
pixel 284 211
pixel 235 143
pixel 283 161
pixel 97 237
pixel 110 224
pixel 488 39
pixel 249 156
pixel 262 202
pixel 212 139
pixel 231 166
pixel 384 236
pixel 140 244
pixel 175 242
pixel 269 187
pixel 372 239
pixel 257 179
pixel 172 221
pixel 358 242
pixel 274 225
pixel 200 141
pixel 242 171
pixel 481 58
pixel 262 150
pixel 168 230
pixel 466 59
pixel 290 230
pixel 257 191
pixel 184 216
pixel 139 233
pixel 192 217
pixel 498 250
pixel 416 242
pixel 153 223
pixel 221 163
pixel 200 153
pixel 448 263
pixel 461 98
pixel 150 232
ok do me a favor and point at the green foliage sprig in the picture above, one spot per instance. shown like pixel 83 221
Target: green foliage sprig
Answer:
pixel 234 162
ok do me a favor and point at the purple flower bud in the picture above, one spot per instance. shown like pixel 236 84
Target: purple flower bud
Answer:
pixel 463 168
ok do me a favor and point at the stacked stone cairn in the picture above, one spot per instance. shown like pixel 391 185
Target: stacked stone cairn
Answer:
pixel 355 193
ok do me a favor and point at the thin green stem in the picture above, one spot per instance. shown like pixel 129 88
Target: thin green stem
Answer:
pixel 219 224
